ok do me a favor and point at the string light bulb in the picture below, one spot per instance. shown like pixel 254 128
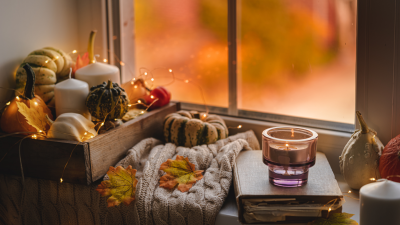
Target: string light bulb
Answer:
pixel 122 63
pixel 139 101
pixel 105 60
pixel 152 79
pixel 330 209
pixel 34 136
pixel 349 191
pixel 135 86
pixel 186 81
pixel 129 105
pixel 61 180
pixel 240 126
pixel 8 103
pixel 102 124
pixel 145 73
pixel 132 82
pixel 170 70
pixel 74 51
pixel 85 133
pixel 372 179
pixel 142 112
pixel 151 96
pixel 35 103
pixel 46 61
pixel 17 98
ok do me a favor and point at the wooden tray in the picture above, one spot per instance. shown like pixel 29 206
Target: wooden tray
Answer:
pixel 46 158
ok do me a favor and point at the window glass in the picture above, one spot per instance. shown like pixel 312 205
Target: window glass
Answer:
pixel 189 37
pixel 297 58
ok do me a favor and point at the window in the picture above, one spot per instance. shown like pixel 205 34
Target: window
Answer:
pixel 376 66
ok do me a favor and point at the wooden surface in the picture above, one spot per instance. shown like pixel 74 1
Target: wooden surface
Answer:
pixel 46 158
pixel 109 148
pixel 251 180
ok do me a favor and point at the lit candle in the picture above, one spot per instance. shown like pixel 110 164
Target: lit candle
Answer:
pixel 70 96
pixel 96 73
pixel 380 203
pixel 289 153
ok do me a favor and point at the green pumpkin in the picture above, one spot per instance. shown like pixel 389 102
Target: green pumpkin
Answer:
pixel 107 100
pixel 189 129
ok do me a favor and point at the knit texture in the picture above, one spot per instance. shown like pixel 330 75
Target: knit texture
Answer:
pixel 49 202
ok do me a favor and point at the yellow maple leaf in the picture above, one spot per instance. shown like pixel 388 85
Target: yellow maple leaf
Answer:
pixel 179 172
pixel 335 219
pixel 121 186
pixel 34 116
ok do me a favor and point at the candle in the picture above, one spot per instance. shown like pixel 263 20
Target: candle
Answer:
pixel 97 73
pixel 380 203
pixel 70 96
pixel 289 152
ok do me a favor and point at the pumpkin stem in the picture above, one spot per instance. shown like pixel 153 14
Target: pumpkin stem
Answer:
pixel 110 84
pixel 91 46
pixel 364 126
pixel 29 92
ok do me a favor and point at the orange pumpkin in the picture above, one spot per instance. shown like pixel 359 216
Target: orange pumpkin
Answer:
pixel 12 120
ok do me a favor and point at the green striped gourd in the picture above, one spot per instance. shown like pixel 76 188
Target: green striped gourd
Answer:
pixel 50 65
pixel 107 100
pixel 189 129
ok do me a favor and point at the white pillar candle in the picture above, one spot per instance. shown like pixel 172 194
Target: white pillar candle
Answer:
pixel 380 203
pixel 70 97
pixel 97 73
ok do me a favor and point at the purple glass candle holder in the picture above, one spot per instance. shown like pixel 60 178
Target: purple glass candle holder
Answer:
pixel 289 152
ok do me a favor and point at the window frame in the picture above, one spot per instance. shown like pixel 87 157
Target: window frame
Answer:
pixel 377 70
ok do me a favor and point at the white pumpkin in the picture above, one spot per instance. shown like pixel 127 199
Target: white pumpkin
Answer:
pixel 72 126
pixel 360 157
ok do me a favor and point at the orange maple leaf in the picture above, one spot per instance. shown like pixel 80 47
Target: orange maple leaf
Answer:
pixel 179 172
pixel 121 186
pixel 80 62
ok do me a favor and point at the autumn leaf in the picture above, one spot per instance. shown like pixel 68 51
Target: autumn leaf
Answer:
pixel 80 62
pixel 34 116
pixel 179 172
pixel 335 219
pixel 121 186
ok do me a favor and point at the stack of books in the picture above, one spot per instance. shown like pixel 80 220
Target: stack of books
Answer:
pixel 260 202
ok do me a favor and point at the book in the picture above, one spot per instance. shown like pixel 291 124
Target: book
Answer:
pixel 260 202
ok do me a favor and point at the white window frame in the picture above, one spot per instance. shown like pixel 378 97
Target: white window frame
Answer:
pixel 377 70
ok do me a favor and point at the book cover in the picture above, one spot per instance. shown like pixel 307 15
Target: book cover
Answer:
pixel 259 200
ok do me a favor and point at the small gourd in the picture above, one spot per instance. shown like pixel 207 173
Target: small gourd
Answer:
pixel 189 129
pixel 12 120
pixel 50 65
pixel 360 157
pixel 107 101
pixel 71 126
pixel 389 163
pixel 135 90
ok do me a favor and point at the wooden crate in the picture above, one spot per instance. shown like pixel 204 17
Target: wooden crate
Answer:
pixel 46 158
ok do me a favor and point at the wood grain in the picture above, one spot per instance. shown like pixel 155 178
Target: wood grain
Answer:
pixel 45 158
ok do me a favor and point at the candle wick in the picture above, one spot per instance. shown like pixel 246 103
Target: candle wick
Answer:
pixel 70 72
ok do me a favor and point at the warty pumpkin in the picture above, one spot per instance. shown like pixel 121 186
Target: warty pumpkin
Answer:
pixel 12 120
pixel 360 157
pixel 107 100
pixel 189 129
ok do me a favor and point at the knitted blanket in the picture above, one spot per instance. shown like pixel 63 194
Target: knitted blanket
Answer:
pixel 49 202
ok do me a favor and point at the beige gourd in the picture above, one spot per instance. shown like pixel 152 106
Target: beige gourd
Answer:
pixel 360 157
pixel 71 126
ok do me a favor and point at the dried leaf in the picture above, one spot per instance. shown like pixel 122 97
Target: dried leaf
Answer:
pixel 335 219
pixel 121 186
pixel 179 172
pixel 35 116
pixel 132 114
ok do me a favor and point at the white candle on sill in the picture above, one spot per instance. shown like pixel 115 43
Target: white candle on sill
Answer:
pixel 97 73
pixel 70 97
pixel 380 203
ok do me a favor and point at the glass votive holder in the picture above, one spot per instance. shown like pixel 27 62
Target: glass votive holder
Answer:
pixel 289 152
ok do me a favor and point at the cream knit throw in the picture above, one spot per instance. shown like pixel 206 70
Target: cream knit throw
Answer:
pixel 48 202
